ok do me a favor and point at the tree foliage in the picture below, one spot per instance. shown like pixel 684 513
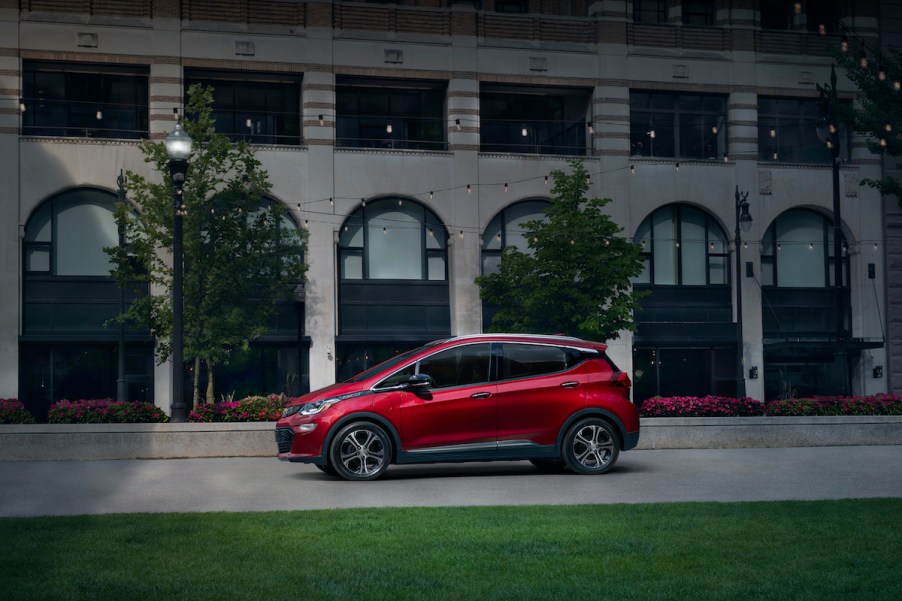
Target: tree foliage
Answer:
pixel 242 254
pixel 575 277
pixel 880 105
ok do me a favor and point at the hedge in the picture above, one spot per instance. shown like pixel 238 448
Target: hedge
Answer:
pixel 104 411
pixel 12 411
pixel 715 406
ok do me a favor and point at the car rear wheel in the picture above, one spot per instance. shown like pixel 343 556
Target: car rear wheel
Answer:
pixel 360 451
pixel 591 446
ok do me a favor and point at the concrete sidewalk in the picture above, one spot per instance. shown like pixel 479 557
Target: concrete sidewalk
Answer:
pixel 265 484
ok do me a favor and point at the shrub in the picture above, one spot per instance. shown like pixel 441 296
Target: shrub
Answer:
pixel 709 406
pixel 12 411
pixel 249 409
pixel 880 404
pixel 104 411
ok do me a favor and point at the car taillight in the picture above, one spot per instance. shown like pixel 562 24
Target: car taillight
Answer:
pixel 619 379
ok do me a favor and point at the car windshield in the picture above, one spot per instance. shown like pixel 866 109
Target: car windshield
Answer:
pixel 386 365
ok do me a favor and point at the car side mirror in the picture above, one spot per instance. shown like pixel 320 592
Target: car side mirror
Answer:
pixel 419 382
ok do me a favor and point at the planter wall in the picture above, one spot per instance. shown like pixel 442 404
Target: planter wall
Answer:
pixel 256 439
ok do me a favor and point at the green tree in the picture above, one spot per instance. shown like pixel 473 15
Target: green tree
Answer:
pixel 879 112
pixel 242 253
pixel 575 277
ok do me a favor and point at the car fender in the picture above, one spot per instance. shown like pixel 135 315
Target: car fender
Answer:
pixel 365 416
pixel 594 412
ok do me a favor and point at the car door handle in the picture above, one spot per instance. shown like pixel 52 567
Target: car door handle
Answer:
pixel 480 395
pixel 569 384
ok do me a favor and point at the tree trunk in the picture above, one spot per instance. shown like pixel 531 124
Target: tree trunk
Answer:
pixel 210 397
pixel 196 388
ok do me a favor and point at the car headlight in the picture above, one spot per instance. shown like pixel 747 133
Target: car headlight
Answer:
pixel 291 410
pixel 318 406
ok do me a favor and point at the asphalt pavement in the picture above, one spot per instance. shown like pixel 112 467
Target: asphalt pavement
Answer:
pixel 266 484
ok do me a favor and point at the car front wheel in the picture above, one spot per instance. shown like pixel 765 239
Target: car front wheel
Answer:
pixel 360 451
pixel 591 446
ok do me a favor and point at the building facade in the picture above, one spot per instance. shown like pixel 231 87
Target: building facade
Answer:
pixel 412 138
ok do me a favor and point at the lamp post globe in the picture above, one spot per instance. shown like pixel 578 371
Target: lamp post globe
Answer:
pixel 178 146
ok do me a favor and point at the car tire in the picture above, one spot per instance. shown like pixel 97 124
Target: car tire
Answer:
pixel 591 446
pixel 360 451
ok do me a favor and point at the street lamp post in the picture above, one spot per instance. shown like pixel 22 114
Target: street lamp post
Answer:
pixel 121 384
pixel 178 147
pixel 743 223
pixel 828 132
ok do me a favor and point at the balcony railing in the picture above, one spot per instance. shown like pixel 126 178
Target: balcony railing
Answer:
pixel 259 127
pixel 404 133
pixel 534 136
pixel 77 119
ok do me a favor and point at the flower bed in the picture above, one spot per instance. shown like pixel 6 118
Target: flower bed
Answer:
pixel 709 406
pixel 714 406
pixel 104 411
pixel 12 411
pixel 250 409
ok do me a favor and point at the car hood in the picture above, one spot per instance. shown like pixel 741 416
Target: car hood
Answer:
pixel 330 391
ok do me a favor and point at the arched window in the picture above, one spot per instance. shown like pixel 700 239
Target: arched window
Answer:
pixel 393 239
pixel 797 251
pixel 506 229
pixel 683 246
pixel 66 235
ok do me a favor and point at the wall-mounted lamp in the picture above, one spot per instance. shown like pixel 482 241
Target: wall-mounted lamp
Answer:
pixel 878 371
pixel 753 372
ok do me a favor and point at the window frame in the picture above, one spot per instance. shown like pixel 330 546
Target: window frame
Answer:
pixel 770 265
pixel 430 225
pixel 773 117
pixel 504 224
pixel 649 11
pixel 57 117
pixel 648 254
pixel 647 118
pixel 285 86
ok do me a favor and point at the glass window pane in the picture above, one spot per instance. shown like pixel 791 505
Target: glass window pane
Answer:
pixel 436 267
pixel 394 242
pixel 692 247
pixel 37 259
pixel 490 263
pixel 718 270
pixel 38 229
pixel 84 226
pixel 664 251
pixel 801 259
pixel 518 214
pixel 491 238
pixel 351 266
pixel 523 360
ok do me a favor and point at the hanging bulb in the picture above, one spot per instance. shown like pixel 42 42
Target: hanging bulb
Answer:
pixel 99 114
pixel 523 132
pixel 844 43
pixel 505 187
pixel 588 179
pixel 469 189
pixel 714 129
pixel 897 85
pixel 546 180
pixel 249 123
pixel 881 75
pixel 321 120
pixel 773 133
pixel 384 230
pixel 457 124
pixel 591 129
pixel 888 127
pixel 651 134
pixel 711 246
pixel 400 202
pixel 306 224
pixel 776 156
pixel 745 244
pixel 810 246
pixel 863 60
pixel 388 128
pixel 498 236
pixel 299 206
pixel 676 166
pixel 363 201
pixel 875 247
pixel 430 195
pixel 632 170
pixel 797 7
pixel 677 243
pixel 883 142
pixel 460 234
pixel 822 29
pixel 431 232
pixel 726 159
pixel 22 105
pixel 331 201
pixel 779 247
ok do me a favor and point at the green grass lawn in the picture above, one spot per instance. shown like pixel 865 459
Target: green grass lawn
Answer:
pixel 831 550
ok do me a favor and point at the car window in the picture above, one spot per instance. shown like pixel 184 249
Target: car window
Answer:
pixel 457 366
pixel 525 360
pixel 398 378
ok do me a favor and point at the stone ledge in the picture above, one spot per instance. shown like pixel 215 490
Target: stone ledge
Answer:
pixel 43 442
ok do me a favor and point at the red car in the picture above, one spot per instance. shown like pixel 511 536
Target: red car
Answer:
pixel 553 400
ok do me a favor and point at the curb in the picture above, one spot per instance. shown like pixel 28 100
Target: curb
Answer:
pixel 45 442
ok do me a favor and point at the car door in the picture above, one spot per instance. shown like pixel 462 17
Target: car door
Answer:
pixel 536 392
pixel 457 413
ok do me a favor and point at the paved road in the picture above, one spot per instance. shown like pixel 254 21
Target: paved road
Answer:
pixel 265 484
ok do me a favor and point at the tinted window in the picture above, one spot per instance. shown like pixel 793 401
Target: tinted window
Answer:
pixel 525 360
pixel 458 366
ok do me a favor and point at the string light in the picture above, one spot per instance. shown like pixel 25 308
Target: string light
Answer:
pixel 430 195
pixel 714 129
pixel 773 133
pixel 321 120
pixel 457 124
pixel 632 170
pixel 546 180
pixel 523 132
pixel 248 123
pixel 99 114
pixel 844 43
pixel 591 129
pixel 505 187
pixel 22 106
pixel 676 166
pixel 469 189
pixel 388 128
